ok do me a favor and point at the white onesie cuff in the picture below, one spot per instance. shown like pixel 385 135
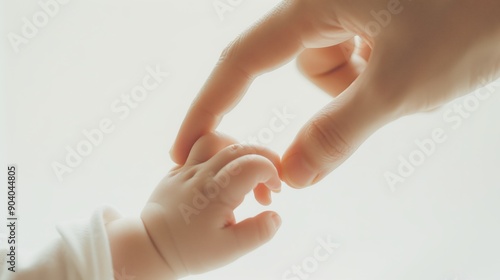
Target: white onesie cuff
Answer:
pixel 80 252
pixel 87 246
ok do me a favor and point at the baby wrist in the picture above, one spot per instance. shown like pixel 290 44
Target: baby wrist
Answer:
pixel 133 253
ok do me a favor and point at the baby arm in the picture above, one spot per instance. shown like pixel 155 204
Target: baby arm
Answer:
pixel 188 226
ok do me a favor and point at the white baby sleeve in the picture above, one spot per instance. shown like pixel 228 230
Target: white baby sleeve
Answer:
pixel 81 252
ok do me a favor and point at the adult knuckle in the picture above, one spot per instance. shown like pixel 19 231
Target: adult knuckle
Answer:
pixel 232 57
pixel 331 139
pixel 229 53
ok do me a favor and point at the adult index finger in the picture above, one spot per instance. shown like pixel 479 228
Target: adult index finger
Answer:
pixel 271 42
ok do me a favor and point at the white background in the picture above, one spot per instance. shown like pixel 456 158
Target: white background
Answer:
pixel 442 223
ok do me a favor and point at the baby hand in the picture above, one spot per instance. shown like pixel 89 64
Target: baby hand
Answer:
pixel 189 217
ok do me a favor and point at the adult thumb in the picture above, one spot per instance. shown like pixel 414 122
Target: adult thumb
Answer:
pixel 335 132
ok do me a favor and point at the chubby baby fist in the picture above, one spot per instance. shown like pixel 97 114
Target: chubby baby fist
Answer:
pixel 189 217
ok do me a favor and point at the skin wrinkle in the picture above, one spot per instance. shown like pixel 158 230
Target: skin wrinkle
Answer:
pixel 155 205
pixel 330 139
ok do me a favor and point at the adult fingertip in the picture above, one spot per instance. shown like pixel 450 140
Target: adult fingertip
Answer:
pixel 171 153
pixel 176 154
pixel 297 172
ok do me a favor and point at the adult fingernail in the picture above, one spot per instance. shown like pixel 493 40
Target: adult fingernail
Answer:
pixel 298 173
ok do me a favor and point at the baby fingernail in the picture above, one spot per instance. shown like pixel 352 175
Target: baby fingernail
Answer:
pixel 274 184
pixel 276 220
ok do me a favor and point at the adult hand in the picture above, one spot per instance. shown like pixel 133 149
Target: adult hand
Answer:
pixel 414 56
